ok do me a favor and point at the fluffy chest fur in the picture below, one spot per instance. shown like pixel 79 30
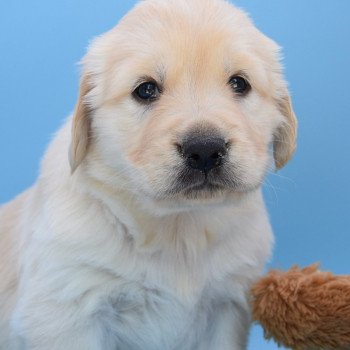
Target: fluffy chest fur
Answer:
pixel 158 282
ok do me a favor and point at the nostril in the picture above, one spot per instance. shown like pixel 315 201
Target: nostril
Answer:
pixel 195 157
pixel 216 155
pixel 217 158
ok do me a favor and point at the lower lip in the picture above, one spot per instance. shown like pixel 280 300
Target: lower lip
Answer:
pixel 205 186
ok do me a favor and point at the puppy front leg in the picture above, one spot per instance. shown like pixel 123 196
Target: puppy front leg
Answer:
pixel 228 328
pixel 58 328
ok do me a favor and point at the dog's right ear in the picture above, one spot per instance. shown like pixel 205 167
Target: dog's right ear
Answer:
pixel 80 126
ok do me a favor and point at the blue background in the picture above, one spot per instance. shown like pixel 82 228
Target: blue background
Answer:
pixel 309 200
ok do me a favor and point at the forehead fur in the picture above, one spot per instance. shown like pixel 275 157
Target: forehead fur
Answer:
pixel 159 37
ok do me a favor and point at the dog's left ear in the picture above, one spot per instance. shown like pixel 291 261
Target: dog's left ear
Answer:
pixel 80 126
pixel 284 143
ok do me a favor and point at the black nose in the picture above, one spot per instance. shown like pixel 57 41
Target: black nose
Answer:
pixel 204 153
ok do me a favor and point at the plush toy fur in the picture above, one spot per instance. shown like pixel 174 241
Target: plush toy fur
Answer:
pixel 304 309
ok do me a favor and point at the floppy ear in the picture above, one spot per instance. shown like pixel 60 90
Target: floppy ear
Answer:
pixel 80 127
pixel 284 143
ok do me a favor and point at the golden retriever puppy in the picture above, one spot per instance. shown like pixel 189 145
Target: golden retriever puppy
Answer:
pixel 147 227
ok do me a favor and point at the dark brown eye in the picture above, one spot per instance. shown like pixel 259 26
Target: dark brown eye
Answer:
pixel 147 92
pixel 239 85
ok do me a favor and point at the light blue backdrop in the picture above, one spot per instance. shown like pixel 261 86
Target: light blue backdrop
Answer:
pixel 309 201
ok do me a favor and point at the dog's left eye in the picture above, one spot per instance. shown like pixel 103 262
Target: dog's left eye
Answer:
pixel 239 84
pixel 147 92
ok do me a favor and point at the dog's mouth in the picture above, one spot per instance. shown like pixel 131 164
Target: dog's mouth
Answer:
pixel 204 186
pixel 198 184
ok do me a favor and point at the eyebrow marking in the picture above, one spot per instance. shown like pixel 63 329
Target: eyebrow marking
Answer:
pixel 160 71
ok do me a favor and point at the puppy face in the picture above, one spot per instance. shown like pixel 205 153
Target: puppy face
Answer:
pixel 183 101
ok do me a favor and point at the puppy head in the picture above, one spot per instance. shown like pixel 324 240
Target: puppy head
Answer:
pixel 184 101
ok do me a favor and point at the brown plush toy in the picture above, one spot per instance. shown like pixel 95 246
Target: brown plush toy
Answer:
pixel 304 309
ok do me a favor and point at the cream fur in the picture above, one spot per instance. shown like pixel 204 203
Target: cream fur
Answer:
pixel 96 255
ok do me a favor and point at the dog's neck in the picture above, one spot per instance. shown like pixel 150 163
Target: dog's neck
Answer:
pixel 206 223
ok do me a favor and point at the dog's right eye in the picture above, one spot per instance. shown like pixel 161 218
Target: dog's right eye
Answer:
pixel 147 92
